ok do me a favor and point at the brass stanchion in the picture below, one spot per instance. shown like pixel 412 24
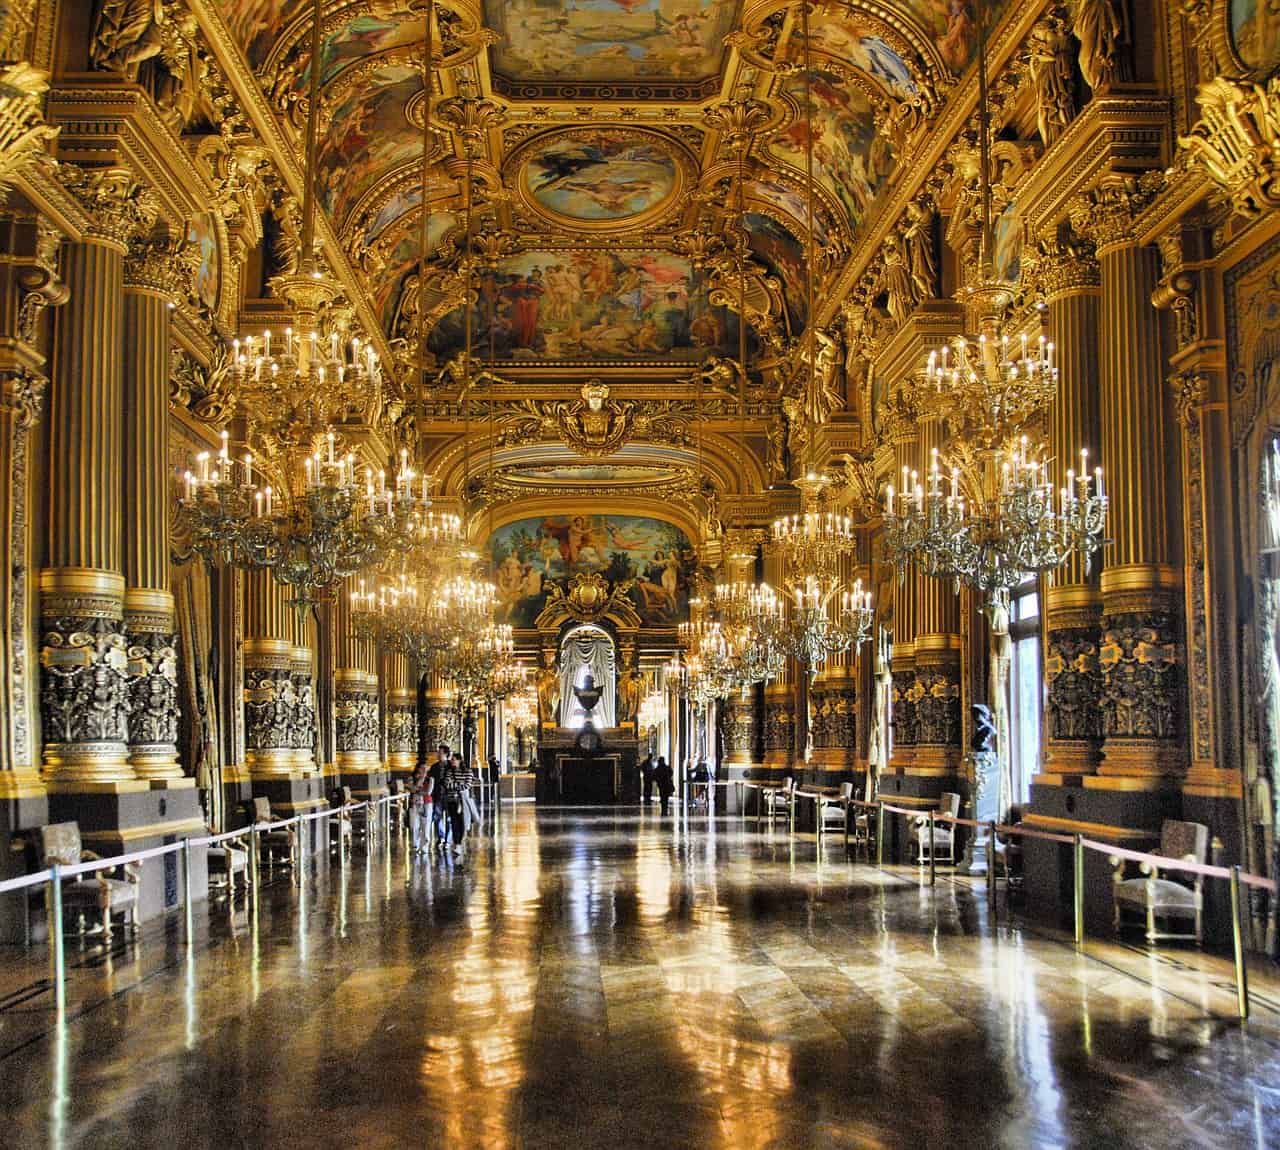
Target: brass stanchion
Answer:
pixel 1237 943
pixel 991 867
pixel 57 944
pixel 1078 868
pixel 933 874
pixel 880 833
pixel 254 863
pixel 189 918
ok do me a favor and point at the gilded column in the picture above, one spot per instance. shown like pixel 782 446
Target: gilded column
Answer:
pixel 936 690
pixel 302 675
pixel 437 717
pixel 270 697
pixel 402 716
pixel 28 282
pixel 356 712
pixel 1141 655
pixel 84 652
pixel 779 715
pixel 1073 598
pixel 903 714
pixel 153 277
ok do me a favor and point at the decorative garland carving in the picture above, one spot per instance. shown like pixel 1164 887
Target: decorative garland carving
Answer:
pixel 905 698
pixel 270 709
pixel 153 686
pixel 84 690
pixel 1074 680
pixel 356 713
pixel 936 692
pixel 1142 667
pixel 1237 142
pixel 402 729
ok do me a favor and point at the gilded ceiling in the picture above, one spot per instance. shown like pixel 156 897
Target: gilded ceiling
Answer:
pixel 605 155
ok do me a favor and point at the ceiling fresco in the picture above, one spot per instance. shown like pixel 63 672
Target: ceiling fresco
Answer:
pixel 594 176
pixel 608 41
pixel 593 306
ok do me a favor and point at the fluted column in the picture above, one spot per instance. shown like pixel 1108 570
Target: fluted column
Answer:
pixel 270 699
pixel 1073 599
pixel 1142 656
pixel 84 691
pixel 402 721
pixel 152 279
pixel 302 674
pixel 905 610
pixel 437 716
pixel 780 696
pixel 937 655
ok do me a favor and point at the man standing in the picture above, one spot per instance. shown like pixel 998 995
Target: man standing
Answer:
pixel 436 777
pixel 666 782
pixel 458 780
pixel 646 779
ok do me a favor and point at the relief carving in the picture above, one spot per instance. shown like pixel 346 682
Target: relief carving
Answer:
pixel 1141 676
pixel 84 688
pixel 1073 677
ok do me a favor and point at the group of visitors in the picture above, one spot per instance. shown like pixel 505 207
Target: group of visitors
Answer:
pixel 657 774
pixel 442 807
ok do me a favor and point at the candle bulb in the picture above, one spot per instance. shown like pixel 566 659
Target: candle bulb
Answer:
pixel 248 470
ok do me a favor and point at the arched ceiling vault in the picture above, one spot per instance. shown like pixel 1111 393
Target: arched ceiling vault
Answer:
pixel 606 186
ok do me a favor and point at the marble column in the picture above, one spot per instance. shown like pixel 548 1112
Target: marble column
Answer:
pixel 152 278
pixel 1142 656
pixel 402 722
pixel 1073 598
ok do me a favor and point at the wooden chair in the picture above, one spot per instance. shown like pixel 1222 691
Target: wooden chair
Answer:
pixel 1179 896
pixel 340 830
pixel 1006 855
pixel 357 820
pixel 226 860
pixel 60 844
pixel 274 843
pixel 943 846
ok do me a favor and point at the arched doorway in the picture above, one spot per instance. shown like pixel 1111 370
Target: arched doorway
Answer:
pixel 588 649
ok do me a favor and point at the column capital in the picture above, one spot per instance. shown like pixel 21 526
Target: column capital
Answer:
pixel 1107 213
pixel 161 263
pixel 22 396
pixel 119 206
pixel 1067 265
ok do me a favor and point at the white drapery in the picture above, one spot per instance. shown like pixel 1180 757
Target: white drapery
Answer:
pixel 587 649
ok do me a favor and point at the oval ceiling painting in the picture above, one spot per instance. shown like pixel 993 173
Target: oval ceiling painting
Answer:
pixel 600 177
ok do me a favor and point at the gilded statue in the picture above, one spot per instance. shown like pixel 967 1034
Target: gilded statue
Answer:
pixel 1051 76
pixel 895 280
pixel 127 33
pixel 630 688
pixel 548 684
pixel 918 239
pixel 408 308
pixel 1102 27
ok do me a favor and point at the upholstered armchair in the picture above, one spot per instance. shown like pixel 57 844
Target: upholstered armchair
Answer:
pixel 228 859
pixel 357 820
pixel 834 809
pixel 943 846
pixel 1006 854
pixel 340 829
pixel 96 892
pixel 779 800
pixel 1177 897
pixel 275 843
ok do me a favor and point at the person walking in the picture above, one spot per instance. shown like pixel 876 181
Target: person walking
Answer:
pixel 437 814
pixel 646 779
pixel 665 779
pixel 420 808
pixel 458 778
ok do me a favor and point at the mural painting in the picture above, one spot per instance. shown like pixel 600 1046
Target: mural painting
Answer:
pixel 530 555
pixel 601 175
pixel 591 306
pixel 850 159
pixel 869 53
pixel 594 40
pixel 400 317
pixel 369 136
pixel 784 254
pixel 1007 256
pixel 1255 33
pixel 203 236
pixel 794 203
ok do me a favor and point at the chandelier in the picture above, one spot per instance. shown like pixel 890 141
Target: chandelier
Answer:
pixel 994 516
pixel 423 620
pixel 483 666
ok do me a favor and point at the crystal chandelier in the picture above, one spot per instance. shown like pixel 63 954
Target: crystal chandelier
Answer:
pixel 423 621
pixel 993 516
pixel 823 614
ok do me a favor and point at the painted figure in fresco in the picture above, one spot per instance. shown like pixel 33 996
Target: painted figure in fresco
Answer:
pixel 955 45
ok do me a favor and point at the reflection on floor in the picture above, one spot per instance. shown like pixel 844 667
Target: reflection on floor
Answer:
pixel 590 980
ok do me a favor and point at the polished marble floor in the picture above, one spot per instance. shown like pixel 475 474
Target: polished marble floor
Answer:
pixel 585 979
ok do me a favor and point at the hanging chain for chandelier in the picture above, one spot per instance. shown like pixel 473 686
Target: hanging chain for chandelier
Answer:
pixel 823 611
pixel 986 513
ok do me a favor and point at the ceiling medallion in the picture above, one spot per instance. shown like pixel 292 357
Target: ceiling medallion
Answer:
pixel 600 178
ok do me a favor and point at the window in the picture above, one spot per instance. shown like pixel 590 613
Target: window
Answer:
pixel 1025 687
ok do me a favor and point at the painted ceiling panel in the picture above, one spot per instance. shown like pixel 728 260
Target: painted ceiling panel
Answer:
pixel 608 40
